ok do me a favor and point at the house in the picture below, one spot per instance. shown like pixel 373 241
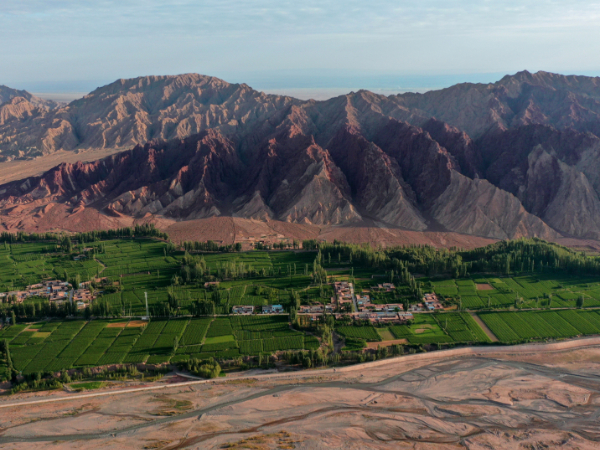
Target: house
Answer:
pixel 362 300
pixel 384 316
pixel 384 287
pixel 272 309
pixel 209 284
pixel 344 292
pixel 432 302
pixel 243 309
pixel 312 309
pixel 394 307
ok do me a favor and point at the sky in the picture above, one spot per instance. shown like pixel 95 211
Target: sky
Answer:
pixel 77 45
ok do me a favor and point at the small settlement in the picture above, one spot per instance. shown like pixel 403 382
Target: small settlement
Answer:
pixel 55 291
pixel 346 301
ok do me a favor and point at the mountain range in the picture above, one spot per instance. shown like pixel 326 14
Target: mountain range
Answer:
pixel 519 157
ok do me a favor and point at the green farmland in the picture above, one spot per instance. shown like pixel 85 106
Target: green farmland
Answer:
pixel 529 291
pixel 80 344
pixel 510 327
pixel 525 290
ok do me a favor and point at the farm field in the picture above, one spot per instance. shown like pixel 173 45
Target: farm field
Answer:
pixel 534 325
pixel 424 329
pixel 440 328
pixel 190 297
pixel 150 266
pixel 79 343
pixel 539 290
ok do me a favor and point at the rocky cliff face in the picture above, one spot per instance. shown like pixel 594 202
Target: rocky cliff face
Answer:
pixel 519 157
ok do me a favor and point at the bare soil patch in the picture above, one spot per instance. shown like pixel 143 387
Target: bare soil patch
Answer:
pixel 117 325
pixel 374 345
pixel 136 323
pixel 423 329
pixel 484 327
pixel 484 287
pixel 42 334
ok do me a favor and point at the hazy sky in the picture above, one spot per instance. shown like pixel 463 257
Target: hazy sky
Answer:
pixel 76 45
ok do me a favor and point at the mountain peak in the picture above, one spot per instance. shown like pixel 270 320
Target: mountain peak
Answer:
pixel 7 94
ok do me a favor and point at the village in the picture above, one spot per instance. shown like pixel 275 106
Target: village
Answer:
pixel 55 291
pixel 359 306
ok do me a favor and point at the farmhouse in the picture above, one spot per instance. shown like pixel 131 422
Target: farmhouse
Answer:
pixel 312 309
pixel 242 309
pixel 432 302
pixel 394 307
pixel 384 287
pixel 344 292
pixel 362 301
pixel 272 309
pixel 384 317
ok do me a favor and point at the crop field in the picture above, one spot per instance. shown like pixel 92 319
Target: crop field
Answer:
pixel 440 328
pixel 147 266
pixel 77 343
pixel 366 332
pixel 174 283
pixel 556 290
pixel 25 264
pixel 533 325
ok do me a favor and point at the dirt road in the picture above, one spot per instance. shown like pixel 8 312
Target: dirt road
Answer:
pixel 484 327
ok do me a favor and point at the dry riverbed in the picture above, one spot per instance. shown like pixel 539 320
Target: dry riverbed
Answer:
pixel 524 398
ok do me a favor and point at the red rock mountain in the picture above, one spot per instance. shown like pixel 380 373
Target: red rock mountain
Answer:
pixel 519 157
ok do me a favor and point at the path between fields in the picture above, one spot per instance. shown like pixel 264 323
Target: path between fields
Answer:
pixel 438 355
pixel 484 327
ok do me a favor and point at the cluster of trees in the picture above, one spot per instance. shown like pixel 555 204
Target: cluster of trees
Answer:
pixel 529 255
pixel 101 308
pixel 203 308
pixel 144 230
pixel 194 269
pixel 35 382
pixel 310 358
pixel 318 274
pixel 520 255
pixel 210 246
pixel 282 245
pixel 5 353
pixel 36 308
pixel 208 368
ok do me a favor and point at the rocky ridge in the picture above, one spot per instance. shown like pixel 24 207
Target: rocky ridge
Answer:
pixel 514 158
